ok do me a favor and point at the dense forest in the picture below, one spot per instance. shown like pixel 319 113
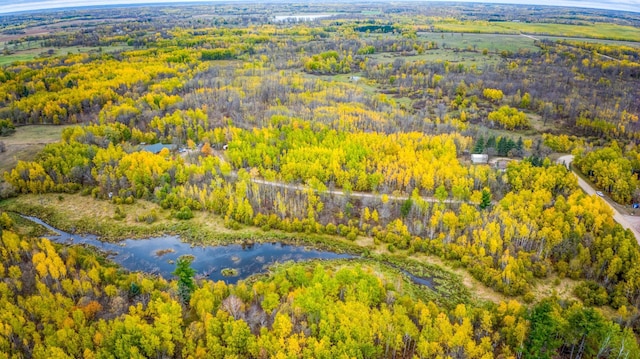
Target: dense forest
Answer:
pixel 359 127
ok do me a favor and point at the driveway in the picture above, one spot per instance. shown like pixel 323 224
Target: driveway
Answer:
pixel 627 222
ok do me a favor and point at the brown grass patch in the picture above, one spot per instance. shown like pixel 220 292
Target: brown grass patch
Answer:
pixel 26 142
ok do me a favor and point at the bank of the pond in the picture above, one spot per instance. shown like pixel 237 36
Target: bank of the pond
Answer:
pixel 115 231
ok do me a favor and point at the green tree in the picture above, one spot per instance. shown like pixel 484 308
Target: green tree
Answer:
pixel 441 193
pixel 185 273
pixel 479 147
pixel 486 199
pixel 406 208
pixel 543 340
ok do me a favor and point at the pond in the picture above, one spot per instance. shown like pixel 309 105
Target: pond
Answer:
pixel 157 255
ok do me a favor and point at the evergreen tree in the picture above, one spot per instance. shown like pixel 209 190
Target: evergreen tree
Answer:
pixel 486 199
pixel 518 150
pixel 510 145
pixel 185 273
pixel 406 208
pixel 479 147
pixel 502 147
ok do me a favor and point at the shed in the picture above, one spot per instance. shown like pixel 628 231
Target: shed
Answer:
pixel 479 158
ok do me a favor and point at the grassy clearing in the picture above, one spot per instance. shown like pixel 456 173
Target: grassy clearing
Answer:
pixel 26 55
pixel 562 288
pixel 492 42
pixel 357 79
pixel 26 142
pixel 83 214
pixel 593 41
pixel 591 30
pixel 532 133
pixel 467 58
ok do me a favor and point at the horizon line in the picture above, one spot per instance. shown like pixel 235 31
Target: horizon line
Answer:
pixel 75 5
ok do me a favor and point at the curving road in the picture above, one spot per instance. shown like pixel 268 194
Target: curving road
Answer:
pixel 351 194
pixel 617 216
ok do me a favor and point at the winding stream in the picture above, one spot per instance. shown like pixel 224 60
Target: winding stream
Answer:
pixel 157 255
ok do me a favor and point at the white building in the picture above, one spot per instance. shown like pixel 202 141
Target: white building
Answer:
pixel 479 158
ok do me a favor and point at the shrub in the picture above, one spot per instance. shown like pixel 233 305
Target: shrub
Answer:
pixel 148 217
pixel 591 293
pixel 184 213
pixel 120 213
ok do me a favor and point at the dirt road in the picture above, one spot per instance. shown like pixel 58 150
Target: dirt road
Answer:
pixel 624 220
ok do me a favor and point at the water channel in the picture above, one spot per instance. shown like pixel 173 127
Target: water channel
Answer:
pixel 157 255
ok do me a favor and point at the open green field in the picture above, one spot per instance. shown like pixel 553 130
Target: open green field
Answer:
pixel 598 31
pixel 26 142
pixel 491 42
pixel 19 56
pixel 467 58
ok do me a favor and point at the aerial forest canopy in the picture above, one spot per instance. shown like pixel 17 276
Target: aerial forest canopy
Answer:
pixel 426 140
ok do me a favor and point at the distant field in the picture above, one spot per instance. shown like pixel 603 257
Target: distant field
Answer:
pixel 21 56
pixel 598 41
pixel 598 31
pixel 26 142
pixel 491 42
pixel 467 58
pixel 33 53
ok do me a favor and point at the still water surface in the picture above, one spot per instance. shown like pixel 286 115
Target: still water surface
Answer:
pixel 157 255
pixel 147 254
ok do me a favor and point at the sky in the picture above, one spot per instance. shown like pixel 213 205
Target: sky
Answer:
pixel 9 6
